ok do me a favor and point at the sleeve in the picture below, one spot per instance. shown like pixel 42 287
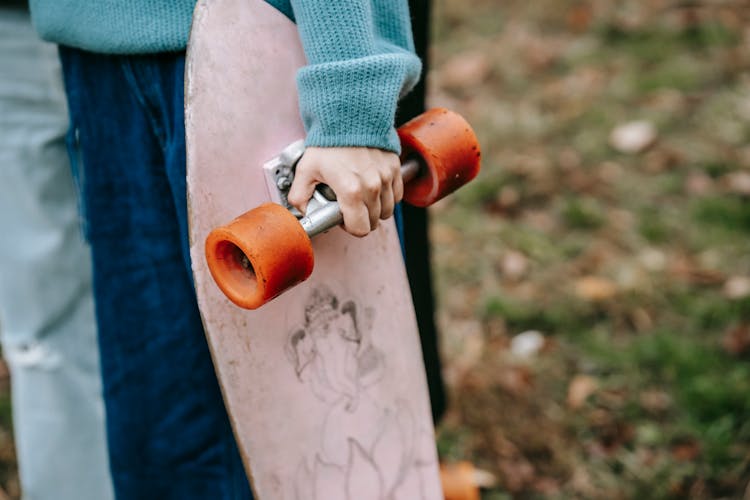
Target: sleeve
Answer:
pixel 361 60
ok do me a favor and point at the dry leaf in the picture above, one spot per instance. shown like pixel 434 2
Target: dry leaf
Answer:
pixel 641 319
pixel 738 182
pixel 458 481
pixel 686 452
pixel 661 159
pixel 633 137
pixel 653 259
pixel 508 198
pixel 516 380
pixel 737 287
pixel 595 289
pixel 579 17
pixel 514 265
pixel 579 390
pixel 527 344
pixel 684 268
pixel 655 401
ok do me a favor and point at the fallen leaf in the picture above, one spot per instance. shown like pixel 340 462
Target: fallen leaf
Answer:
pixel 737 287
pixel 738 183
pixel 595 289
pixel 653 259
pixel 655 401
pixel 514 265
pixel 578 18
pixel 633 137
pixel 686 451
pixel 579 390
pixel 686 269
pixel 457 476
pixel 508 198
pixel 516 380
pixel 707 277
pixel 527 344
pixel 641 319
pixel 661 159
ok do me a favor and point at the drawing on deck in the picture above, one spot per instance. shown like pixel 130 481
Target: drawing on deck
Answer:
pixel 334 353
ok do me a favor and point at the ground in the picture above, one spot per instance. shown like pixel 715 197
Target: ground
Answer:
pixel 594 281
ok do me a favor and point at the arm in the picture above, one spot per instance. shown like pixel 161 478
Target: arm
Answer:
pixel 360 62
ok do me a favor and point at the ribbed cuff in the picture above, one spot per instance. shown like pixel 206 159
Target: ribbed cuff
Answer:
pixel 353 102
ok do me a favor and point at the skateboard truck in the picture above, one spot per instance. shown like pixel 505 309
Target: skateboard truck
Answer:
pixel 267 250
pixel 323 212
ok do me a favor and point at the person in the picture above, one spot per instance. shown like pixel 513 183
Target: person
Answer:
pixel 123 63
pixel 46 304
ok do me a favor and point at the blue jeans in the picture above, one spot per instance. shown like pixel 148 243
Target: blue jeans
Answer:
pixel 167 428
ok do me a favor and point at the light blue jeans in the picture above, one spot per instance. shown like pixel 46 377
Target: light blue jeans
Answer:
pixel 47 325
pixel 168 432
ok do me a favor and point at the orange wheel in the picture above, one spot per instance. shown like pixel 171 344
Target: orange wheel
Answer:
pixel 458 481
pixel 448 149
pixel 259 255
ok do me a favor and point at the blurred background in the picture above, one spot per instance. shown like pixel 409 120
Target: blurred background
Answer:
pixel 593 284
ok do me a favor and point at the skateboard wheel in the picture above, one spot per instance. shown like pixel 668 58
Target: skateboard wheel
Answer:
pixel 458 481
pixel 259 255
pixel 448 149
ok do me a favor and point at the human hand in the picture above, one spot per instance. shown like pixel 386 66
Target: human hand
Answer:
pixel 367 183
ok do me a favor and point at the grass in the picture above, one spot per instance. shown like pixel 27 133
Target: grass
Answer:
pixel 657 236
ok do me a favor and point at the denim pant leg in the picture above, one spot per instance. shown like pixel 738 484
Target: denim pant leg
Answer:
pixel 169 435
pixel 46 303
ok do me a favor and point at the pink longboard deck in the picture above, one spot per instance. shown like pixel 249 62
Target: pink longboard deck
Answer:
pixel 325 385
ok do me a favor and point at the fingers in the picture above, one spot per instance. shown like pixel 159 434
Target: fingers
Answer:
pixel 355 205
pixel 356 219
pixel 372 186
pixel 367 183
pixel 305 180
pixel 398 184
pixel 392 188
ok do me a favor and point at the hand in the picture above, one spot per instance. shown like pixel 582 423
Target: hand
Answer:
pixel 367 183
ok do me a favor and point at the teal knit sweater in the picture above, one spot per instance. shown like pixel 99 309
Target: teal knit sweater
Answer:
pixel 360 54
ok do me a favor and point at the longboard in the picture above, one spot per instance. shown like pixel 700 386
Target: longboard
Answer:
pixel 324 385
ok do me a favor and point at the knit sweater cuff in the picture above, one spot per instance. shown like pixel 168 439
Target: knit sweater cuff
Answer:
pixel 353 102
